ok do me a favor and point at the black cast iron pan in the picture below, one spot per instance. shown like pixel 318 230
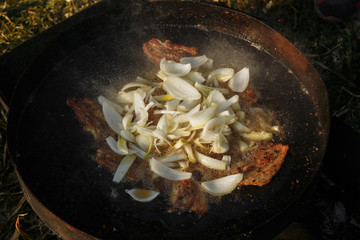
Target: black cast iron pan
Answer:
pixel 54 157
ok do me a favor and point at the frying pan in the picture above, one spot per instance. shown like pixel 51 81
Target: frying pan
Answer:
pixel 100 50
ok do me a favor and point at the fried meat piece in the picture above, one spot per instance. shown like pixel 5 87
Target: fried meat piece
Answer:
pixel 90 117
pixel 264 164
pixel 188 195
pixel 155 50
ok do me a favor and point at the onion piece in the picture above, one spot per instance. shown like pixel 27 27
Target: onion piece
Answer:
pixel 209 161
pixel 133 85
pixel 257 136
pixel 142 195
pixel 187 105
pixel 208 89
pixel 172 68
pixel 195 77
pixel 180 89
pixel 144 141
pixel 222 186
pixel 199 119
pixel 127 134
pixel 190 153
pixel 186 116
pixel 196 61
pixel 240 80
pixel 220 145
pixel 119 146
pixel 112 117
pixel 178 155
pixel 223 74
pixel 241 128
pixel 163 97
pixel 123 167
pixel 102 99
pixel 166 172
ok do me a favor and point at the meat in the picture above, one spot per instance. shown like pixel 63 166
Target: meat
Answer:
pixel 187 194
pixel 155 50
pixel 90 117
pixel 263 165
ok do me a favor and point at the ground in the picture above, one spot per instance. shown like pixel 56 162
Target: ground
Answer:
pixel 333 48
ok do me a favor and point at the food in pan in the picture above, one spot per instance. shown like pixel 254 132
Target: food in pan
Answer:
pixel 192 133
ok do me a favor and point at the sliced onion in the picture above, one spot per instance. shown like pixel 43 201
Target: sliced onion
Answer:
pixel 213 128
pixel 238 126
pixel 123 167
pixel 200 118
pixel 133 85
pixel 190 153
pixel 178 155
pixel 257 136
pixel 194 61
pixel 225 105
pixel 127 134
pixel 144 142
pixel 147 82
pixel 223 74
pixel 142 195
pixel 119 146
pixel 186 116
pixel 222 186
pixel 220 145
pixel 186 105
pixel 195 77
pixel 102 99
pixel 240 80
pixel 209 161
pixel 127 120
pixel 180 89
pixel 166 172
pixel 172 68
pixel 112 117
pixel 208 89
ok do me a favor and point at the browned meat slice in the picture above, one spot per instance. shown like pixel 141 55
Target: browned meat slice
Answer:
pixel 155 50
pixel 90 117
pixel 265 163
pixel 187 194
pixel 107 157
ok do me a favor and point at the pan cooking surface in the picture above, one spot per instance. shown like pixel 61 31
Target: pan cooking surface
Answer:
pixel 55 156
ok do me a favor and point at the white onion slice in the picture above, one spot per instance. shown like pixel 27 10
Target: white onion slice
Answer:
pixel 209 161
pixel 222 186
pixel 178 155
pixel 172 68
pixel 102 99
pixel 142 195
pixel 257 136
pixel 195 77
pixel 123 167
pixel 187 105
pixel 238 126
pixel 240 80
pixel 144 142
pixel 133 85
pixel 127 134
pixel 223 74
pixel 220 145
pixel 196 61
pixel 166 172
pixel 112 117
pixel 180 89
pixel 186 116
pixel 207 89
pixel 199 119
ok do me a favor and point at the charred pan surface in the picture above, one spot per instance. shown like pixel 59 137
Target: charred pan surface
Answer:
pixel 155 50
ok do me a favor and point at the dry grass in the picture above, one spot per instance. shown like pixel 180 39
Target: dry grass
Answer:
pixel 332 48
